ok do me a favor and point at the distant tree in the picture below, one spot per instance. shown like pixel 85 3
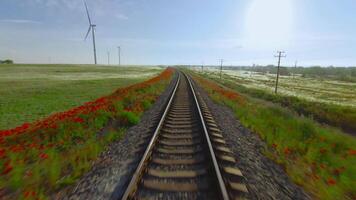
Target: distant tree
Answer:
pixel 7 61
pixel 353 72
pixel 284 71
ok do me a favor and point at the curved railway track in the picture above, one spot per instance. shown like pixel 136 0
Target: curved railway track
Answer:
pixel 187 157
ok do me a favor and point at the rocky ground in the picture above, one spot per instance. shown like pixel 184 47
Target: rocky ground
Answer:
pixel 110 173
pixel 265 179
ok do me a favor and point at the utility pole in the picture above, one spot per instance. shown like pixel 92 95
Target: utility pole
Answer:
pixel 295 67
pixel 280 55
pixel 202 67
pixel 119 52
pixel 221 65
pixel 108 57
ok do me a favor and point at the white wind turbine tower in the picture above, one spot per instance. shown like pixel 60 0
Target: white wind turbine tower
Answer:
pixel 92 29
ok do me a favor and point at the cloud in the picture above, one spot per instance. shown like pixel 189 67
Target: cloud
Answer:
pixel 20 21
pixel 77 4
pixel 221 43
pixel 98 8
pixel 121 17
pixel 71 4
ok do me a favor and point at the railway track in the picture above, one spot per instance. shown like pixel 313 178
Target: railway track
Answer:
pixel 187 157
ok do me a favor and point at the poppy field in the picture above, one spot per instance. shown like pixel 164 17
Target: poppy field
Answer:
pixel 320 158
pixel 39 158
pixel 32 91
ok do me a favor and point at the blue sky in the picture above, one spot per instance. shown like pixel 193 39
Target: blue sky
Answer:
pixel 243 32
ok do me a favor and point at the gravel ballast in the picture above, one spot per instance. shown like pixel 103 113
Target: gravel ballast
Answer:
pixel 114 167
pixel 111 172
pixel 265 179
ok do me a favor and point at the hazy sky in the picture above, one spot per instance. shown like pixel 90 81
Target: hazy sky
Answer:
pixel 314 32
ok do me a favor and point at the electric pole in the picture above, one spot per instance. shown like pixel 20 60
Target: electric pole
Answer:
pixel 202 67
pixel 119 52
pixel 295 67
pixel 108 57
pixel 221 65
pixel 280 55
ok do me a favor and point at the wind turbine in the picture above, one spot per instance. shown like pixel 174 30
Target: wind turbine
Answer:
pixel 92 29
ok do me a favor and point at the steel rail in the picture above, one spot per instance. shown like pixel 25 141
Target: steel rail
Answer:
pixel 139 170
pixel 221 183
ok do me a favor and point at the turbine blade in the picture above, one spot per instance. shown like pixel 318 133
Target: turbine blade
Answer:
pixel 86 36
pixel 86 8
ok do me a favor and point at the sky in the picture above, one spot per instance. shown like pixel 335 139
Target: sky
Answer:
pixel 169 32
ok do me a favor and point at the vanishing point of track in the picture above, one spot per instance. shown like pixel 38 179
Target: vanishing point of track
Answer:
pixel 187 157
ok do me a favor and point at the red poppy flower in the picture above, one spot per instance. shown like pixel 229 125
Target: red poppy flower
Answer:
pixel 78 120
pixel 287 151
pixel 7 169
pixel 2 153
pixel 331 181
pixel 26 194
pixel 322 150
pixel 352 152
pixel 43 156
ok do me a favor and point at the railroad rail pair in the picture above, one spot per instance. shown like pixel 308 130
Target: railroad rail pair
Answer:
pixel 187 156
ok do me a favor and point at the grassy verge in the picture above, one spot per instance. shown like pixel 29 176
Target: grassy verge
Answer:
pixel 30 92
pixel 321 159
pixel 39 158
pixel 343 117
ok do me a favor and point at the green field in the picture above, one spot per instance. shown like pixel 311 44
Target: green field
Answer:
pixel 31 92
pixel 317 89
pixel 325 100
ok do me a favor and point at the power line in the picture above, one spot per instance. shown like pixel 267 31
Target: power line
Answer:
pixel 280 55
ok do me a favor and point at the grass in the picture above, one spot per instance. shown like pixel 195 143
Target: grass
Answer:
pixel 321 159
pixel 38 159
pixel 30 92
pixel 341 116
pixel 315 89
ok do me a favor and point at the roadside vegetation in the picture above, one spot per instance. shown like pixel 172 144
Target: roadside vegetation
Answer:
pixel 37 159
pixel 320 158
pixel 340 116
pixel 30 92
